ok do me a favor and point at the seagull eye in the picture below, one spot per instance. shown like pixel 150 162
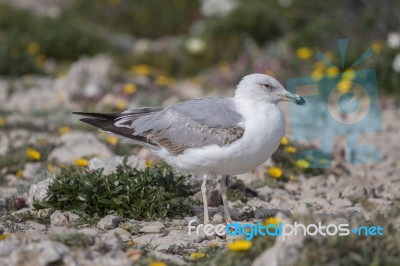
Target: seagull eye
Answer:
pixel 267 86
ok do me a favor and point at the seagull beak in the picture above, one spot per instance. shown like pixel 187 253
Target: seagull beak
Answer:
pixel 294 98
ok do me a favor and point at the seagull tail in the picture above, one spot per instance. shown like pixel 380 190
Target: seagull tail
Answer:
pixel 106 122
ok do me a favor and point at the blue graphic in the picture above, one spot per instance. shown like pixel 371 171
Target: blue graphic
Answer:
pixel 343 102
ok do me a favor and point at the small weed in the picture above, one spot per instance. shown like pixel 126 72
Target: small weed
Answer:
pixel 155 192
pixel 18 202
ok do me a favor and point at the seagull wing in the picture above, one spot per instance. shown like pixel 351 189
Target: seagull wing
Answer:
pixel 190 124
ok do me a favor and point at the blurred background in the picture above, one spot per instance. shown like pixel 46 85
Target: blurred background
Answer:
pixel 59 56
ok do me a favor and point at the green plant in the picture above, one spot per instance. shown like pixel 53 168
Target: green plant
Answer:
pixel 141 18
pixel 155 192
pixel 27 40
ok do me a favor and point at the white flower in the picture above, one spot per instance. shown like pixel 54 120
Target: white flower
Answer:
pixel 195 45
pixel 393 40
pixel 396 63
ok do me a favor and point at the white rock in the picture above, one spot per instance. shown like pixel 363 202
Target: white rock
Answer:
pixel 162 256
pixel 90 74
pixel 36 226
pixel 146 239
pixel 111 239
pixel 58 219
pixel 43 96
pixel 41 253
pixel 4 144
pixel 164 243
pixel 77 145
pixel 342 202
pixel 39 191
pixel 31 170
pixel 217 218
pixel 4 85
pixel 108 222
pixel 89 231
pixel 153 227
pixel 72 217
pixel 109 261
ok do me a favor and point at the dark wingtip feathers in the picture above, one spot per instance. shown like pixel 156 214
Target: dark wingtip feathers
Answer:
pixel 106 122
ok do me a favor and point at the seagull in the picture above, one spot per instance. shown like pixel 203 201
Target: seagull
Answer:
pixel 209 136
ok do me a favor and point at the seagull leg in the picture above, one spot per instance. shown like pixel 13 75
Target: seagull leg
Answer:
pixel 227 217
pixel 205 202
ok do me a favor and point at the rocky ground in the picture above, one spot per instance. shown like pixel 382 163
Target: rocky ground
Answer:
pixel 39 138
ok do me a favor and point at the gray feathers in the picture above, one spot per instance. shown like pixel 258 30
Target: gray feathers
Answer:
pixel 190 124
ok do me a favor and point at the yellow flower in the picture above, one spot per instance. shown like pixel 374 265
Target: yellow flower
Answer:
pixel 239 245
pixel 344 86
pixel 284 141
pixel 304 53
pixel 4 237
pixel 19 173
pixel 113 140
pixel 40 60
pixel 271 220
pixel 121 105
pixel 275 172
pixel 376 47
pixel 302 164
pixel 332 71
pixel 130 243
pixel 197 255
pixel 148 163
pixel 32 48
pixel 348 74
pixel 64 130
pixel 291 149
pixel 129 88
pixel 33 154
pixel 3 121
pixel 143 70
pixel 162 80
pixel 157 263
pixel 317 74
pixel 319 64
pixel 81 162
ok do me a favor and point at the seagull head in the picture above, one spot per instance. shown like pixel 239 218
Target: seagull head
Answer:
pixel 265 88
